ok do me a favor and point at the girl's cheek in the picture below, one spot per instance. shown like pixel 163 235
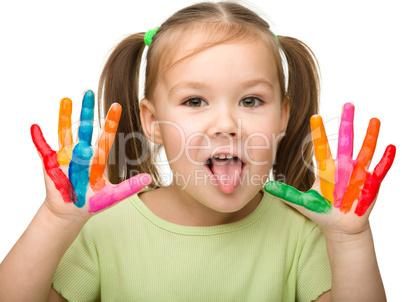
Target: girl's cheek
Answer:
pixel 173 142
pixel 259 148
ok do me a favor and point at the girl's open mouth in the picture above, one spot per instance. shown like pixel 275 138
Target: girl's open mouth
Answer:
pixel 225 171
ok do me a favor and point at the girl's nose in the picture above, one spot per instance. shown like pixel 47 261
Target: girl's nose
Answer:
pixel 224 123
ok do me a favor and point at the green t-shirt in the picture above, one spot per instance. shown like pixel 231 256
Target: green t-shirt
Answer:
pixel 127 253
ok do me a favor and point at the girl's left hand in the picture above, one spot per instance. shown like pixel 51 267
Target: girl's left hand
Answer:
pixel 344 194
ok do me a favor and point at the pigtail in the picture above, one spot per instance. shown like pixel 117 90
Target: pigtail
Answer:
pixel 119 83
pixel 294 162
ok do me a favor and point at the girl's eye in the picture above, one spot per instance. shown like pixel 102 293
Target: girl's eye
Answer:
pixel 250 101
pixel 195 102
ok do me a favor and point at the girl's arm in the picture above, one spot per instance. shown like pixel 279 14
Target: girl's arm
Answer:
pixel 340 202
pixel 27 272
pixel 355 272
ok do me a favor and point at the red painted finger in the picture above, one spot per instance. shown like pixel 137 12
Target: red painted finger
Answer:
pixel 52 167
pixel 373 182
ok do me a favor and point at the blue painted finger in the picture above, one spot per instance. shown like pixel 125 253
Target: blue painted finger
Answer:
pixel 87 117
pixel 82 153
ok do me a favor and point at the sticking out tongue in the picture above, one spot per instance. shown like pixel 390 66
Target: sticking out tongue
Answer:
pixel 227 173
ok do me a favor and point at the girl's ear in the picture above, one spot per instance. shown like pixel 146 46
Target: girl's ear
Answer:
pixel 285 111
pixel 149 122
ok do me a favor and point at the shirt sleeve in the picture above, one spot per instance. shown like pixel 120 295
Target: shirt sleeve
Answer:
pixel 314 271
pixel 77 276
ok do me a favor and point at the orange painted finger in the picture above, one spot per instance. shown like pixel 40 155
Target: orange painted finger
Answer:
pixel 369 143
pixel 103 147
pixel 325 162
pixel 65 133
pixel 359 174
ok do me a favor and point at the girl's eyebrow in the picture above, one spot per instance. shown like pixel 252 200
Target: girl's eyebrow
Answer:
pixel 256 82
pixel 191 85
pixel 201 85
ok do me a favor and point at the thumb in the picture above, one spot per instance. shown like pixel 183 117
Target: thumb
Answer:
pixel 111 194
pixel 310 200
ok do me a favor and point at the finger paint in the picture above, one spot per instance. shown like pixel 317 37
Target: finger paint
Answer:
pixel 65 133
pixel 109 195
pixel 373 182
pixel 82 153
pixel 325 162
pixel 52 167
pixel 344 162
pixel 311 200
pixel 359 173
pixel 105 142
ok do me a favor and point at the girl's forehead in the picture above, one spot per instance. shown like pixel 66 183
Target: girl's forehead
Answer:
pixel 221 69
pixel 197 56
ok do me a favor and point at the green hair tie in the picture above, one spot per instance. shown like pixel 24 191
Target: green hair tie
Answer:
pixel 276 37
pixel 149 34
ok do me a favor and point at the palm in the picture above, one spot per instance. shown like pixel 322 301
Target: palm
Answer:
pixel 343 195
pixel 74 176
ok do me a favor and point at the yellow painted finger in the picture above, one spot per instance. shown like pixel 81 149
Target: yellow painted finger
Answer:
pixel 65 133
pixel 325 162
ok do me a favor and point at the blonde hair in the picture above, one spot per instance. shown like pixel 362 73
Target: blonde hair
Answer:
pixel 222 22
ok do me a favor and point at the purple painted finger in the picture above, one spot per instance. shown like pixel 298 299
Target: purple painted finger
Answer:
pixel 345 163
pixel 110 194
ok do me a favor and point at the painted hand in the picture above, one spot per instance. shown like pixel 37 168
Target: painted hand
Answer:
pixel 343 183
pixel 85 187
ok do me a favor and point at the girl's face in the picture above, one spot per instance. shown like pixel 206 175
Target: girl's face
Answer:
pixel 219 116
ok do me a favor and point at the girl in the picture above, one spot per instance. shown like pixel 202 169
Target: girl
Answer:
pixel 216 99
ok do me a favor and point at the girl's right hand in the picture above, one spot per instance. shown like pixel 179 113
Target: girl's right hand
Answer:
pixel 75 185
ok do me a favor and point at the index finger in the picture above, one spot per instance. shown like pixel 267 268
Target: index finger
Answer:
pixel 103 147
pixel 322 150
pixel 87 116
pixel 326 164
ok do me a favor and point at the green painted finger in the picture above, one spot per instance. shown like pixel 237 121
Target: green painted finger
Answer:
pixel 311 200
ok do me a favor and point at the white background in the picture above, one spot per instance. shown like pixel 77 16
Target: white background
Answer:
pixel 52 49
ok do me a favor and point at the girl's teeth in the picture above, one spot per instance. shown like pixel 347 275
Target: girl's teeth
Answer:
pixel 223 156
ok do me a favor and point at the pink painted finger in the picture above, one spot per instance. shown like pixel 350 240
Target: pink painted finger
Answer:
pixel 344 164
pixel 359 173
pixel 52 167
pixel 110 194
pixel 373 182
